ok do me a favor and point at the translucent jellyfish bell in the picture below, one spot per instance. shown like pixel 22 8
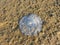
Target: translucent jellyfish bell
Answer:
pixel 30 24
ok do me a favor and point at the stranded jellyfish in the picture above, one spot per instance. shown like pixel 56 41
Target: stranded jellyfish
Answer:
pixel 30 24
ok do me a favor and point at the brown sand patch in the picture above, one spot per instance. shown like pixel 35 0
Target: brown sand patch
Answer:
pixel 12 10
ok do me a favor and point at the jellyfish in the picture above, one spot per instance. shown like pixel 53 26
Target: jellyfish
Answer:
pixel 30 24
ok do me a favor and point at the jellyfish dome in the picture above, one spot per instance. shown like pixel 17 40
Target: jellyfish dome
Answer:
pixel 30 24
